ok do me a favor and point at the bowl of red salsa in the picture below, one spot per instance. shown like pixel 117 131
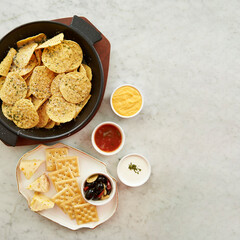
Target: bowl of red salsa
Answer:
pixel 108 138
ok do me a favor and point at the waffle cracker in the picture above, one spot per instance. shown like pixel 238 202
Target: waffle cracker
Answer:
pixel 72 183
pixel 52 154
pixel 85 213
pixel 59 175
pixel 63 196
pixel 71 162
pixel 68 206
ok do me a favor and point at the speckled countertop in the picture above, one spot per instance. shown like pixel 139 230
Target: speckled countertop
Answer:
pixel 184 56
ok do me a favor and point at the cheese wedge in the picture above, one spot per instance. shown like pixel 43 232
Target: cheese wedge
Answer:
pixel 40 202
pixel 29 167
pixel 41 184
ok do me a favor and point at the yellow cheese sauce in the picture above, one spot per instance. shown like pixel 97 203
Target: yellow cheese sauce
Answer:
pixel 127 101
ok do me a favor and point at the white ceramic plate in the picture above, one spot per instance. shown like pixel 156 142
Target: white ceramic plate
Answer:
pixel 87 165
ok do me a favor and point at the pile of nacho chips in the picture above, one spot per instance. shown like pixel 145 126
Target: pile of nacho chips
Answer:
pixel 44 82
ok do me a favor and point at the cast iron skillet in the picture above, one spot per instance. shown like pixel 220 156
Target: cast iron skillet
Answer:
pixel 86 36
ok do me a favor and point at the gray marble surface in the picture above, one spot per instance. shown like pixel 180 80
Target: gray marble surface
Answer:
pixel 184 55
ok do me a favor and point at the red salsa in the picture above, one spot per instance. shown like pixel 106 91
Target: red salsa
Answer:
pixel 108 137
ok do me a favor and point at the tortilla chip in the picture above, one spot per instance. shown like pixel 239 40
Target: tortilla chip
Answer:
pixel 88 71
pixel 40 82
pixel 7 62
pixel 22 71
pixel 13 89
pixel 55 84
pixel 24 55
pixel 75 87
pixel 37 39
pixel 52 42
pixel 64 57
pixel 24 114
pixel 2 80
pixel 59 110
pixel 38 53
pixel 43 117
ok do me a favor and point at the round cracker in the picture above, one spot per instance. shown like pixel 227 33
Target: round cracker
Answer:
pixel 43 117
pixel 40 82
pixel 55 84
pixel 24 114
pixel 75 87
pixel 59 110
pixel 13 89
pixel 63 57
pixel 7 111
pixel 88 71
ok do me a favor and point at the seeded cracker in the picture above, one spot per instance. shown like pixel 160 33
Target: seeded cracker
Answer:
pixel 6 62
pixel 51 155
pixel 40 82
pixel 37 39
pixel 85 213
pixel 75 87
pixel 71 162
pixel 59 110
pixel 52 42
pixel 24 55
pixel 13 89
pixel 24 114
pixel 59 175
pixel 63 57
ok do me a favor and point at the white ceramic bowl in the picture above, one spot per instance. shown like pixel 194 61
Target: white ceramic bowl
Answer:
pixel 100 202
pixel 117 112
pixel 112 152
pixel 128 176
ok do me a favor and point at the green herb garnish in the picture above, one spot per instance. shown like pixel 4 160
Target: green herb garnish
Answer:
pixel 134 168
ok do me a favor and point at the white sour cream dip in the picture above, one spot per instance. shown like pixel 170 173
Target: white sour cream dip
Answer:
pixel 133 170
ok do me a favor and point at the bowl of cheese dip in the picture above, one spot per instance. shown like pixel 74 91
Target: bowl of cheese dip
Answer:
pixel 133 170
pixel 126 101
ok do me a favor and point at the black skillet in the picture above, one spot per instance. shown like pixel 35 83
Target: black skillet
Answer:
pixel 84 34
